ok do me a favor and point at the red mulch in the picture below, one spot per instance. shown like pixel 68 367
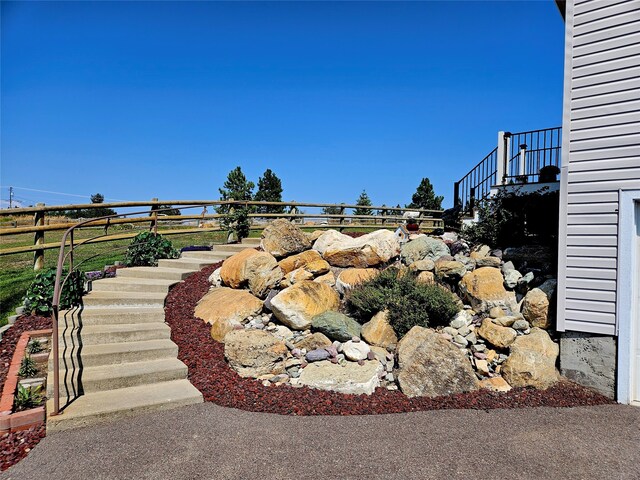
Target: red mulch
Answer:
pixel 15 446
pixel 210 374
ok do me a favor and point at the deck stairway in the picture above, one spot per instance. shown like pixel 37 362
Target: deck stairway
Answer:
pixel 116 353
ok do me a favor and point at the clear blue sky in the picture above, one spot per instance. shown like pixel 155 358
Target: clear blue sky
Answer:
pixel 162 99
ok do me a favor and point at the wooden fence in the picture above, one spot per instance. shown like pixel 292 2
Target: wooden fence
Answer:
pixel 203 221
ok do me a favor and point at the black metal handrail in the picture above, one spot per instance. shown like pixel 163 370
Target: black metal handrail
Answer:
pixel 476 184
pixel 531 151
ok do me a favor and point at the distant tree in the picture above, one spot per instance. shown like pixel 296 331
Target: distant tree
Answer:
pixel 97 198
pixel 365 201
pixel 269 190
pixel 331 210
pixel 425 197
pixel 92 212
pixel 384 211
pixel 168 210
pixel 235 187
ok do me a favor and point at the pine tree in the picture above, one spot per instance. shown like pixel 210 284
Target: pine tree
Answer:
pixel 235 187
pixel 269 190
pixel 92 212
pixel 364 201
pixel 425 197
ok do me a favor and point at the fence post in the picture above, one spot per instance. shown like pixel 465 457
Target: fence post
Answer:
pixel 523 157
pixel 457 201
pixel 342 210
pixel 154 217
pixel 501 159
pixel 38 256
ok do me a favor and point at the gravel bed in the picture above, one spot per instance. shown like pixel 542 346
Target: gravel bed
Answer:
pixel 209 373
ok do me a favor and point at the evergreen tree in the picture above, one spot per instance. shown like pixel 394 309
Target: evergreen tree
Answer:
pixel 364 201
pixel 384 211
pixel 425 197
pixel 331 210
pixel 269 190
pixel 235 187
pixel 92 212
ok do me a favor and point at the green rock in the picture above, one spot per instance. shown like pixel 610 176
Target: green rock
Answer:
pixel 423 248
pixel 336 326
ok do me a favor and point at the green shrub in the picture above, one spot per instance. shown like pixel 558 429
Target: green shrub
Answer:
pixel 35 346
pixel 27 367
pixel 147 248
pixel 408 301
pixel 237 222
pixel 39 298
pixel 28 397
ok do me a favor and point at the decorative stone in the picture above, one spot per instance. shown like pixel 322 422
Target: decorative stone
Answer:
pixel 252 353
pixel 355 351
pixel 297 305
pixel 296 276
pixel 282 238
pixel 497 312
pixel 350 277
pixel 220 328
pixel 426 278
pixel 378 332
pixel 483 289
pixel 262 273
pixel 317 355
pixel 425 265
pixel 497 335
pixel 511 278
pixel 494 262
pixel 232 271
pixel 314 341
pixel 532 361
pixel 535 307
pixel 369 250
pixel 450 270
pixel 227 305
pixel 301 260
pixel 429 365
pixel 520 324
pixel 496 384
pixel 482 366
pixel 327 279
pixel 423 247
pixel 350 378
pixel 336 326
pixel 215 279
pixel 462 319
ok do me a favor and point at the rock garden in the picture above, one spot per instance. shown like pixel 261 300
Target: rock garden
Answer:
pixel 422 317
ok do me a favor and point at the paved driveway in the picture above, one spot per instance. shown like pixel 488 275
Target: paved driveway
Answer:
pixel 211 442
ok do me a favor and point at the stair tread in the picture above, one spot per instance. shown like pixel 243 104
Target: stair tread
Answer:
pixel 150 269
pixel 128 295
pixel 120 327
pixel 133 280
pixel 131 369
pixel 124 347
pixel 95 406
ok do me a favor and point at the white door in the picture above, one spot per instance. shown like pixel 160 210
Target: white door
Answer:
pixel 635 367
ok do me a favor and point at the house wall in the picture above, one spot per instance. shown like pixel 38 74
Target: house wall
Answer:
pixel 600 157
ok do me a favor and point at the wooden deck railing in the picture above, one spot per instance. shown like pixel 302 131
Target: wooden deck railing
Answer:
pixel 199 222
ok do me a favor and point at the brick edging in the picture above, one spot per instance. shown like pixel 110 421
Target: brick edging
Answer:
pixel 11 422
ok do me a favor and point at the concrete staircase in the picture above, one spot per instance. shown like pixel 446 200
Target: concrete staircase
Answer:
pixel 116 353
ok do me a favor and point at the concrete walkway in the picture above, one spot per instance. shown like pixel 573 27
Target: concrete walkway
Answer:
pixel 210 442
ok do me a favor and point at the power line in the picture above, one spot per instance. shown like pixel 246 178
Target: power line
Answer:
pixel 61 193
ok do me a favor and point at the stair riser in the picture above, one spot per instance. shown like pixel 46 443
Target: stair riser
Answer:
pixel 129 287
pixel 114 337
pixel 113 301
pixel 158 275
pixel 184 263
pixel 97 385
pixel 94 360
pixel 209 256
pixel 231 248
pixel 114 318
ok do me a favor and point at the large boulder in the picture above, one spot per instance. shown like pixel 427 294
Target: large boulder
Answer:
pixel 379 332
pixel 369 250
pixel 350 277
pixel 300 260
pixel 327 279
pixel 350 378
pixel 451 271
pixel 536 303
pixel 484 289
pixel 497 335
pixel 232 271
pixel 262 273
pixel 282 238
pixel 423 247
pixel 296 306
pixel 532 362
pixel 227 304
pixel 336 326
pixel 430 365
pixel 253 353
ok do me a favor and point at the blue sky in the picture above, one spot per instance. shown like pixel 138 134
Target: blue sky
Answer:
pixel 141 100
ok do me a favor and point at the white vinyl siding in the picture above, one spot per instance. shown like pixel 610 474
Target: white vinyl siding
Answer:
pixel 600 156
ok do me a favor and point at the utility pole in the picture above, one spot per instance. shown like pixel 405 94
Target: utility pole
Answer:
pixel 10 197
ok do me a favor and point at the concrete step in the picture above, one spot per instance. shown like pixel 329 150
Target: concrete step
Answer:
pixel 116 353
pixel 164 273
pixel 195 264
pixel 212 257
pixel 122 402
pixel 111 298
pixel 130 284
pixel 109 377
pixel 231 248
pixel 111 315
pixel 251 241
pixel 118 333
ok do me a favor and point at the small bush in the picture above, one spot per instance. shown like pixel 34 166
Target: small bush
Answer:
pixel 408 301
pixel 147 248
pixel 237 222
pixel 35 346
pixel 28 397
pixel 27 367
pixel 39 296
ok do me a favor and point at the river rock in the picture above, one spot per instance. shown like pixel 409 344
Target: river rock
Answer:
pixel 350 378
pixel 350 277
pixel 336 326
pixel 429 365
pixel 297 305
pixel 369 250
pixel 317 355
pixel 497 335
pixel 532 361
pixel 355 351
pixel 423 247
pixel 282 238
pixel 252 353
pixel 379 332
pixel 483 289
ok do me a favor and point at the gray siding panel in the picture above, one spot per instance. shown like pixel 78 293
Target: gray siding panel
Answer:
pixel 600 156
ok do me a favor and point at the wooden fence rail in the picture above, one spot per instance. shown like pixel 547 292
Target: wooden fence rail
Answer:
pixel 166 224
